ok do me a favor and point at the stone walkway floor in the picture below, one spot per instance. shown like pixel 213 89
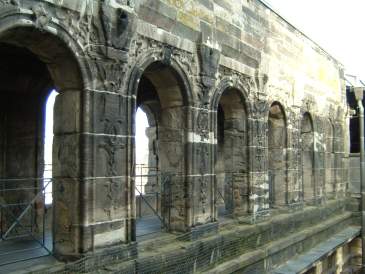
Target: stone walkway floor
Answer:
pixel 18 255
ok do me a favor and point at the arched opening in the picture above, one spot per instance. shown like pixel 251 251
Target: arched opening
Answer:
pixel 32 218
pixel 161 203
pixel 147 189
pixel 330 161
pixel 307 138
pixel 231 166
pixel 277 144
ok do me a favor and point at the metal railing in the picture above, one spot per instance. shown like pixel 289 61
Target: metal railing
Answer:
pixel 148 191
pixel 24 231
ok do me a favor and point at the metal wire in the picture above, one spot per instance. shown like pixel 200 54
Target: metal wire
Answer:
pixel 23 221
pixel 146 209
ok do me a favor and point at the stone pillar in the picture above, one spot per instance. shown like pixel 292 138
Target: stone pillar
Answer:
pixel 329 162
pixel 294 170
pixel 153 184
pixel 220 177
pixel 259 195
pixel 339 161
pixel 67 183
pixel 171 144
pixel 200 179
pixel 93 189
pixel 319 160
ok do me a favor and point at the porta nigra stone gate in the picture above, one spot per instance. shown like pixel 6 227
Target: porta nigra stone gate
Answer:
pixel 248 135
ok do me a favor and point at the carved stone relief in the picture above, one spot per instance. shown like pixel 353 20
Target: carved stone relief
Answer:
pixel 203 124
pixel 78 23
pixel 261 108
pixel 203 153
pixel 203 194
pixel 238 80
pixel 163 52
pixel 42 17
pixel 209 62
pixel 110 76
pixel 10 3
pixel 118 26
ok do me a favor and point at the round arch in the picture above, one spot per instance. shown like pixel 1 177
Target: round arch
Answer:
pixel 157 57
pixel 70 75
pixel 277 148
pixel 17 28
pixel 226 84
pixel 231 115
pixel 307 153
pixel 172 95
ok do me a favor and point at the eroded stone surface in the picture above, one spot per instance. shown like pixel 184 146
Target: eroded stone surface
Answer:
pixel 246 115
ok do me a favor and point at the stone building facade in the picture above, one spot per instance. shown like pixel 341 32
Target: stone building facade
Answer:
pixel 240 104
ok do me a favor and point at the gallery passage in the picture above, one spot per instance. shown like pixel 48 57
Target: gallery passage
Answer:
pixel 29 73
pixel 159 188
pixel 232 154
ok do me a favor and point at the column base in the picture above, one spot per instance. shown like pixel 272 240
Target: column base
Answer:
pixel 103 257
pixel 199 232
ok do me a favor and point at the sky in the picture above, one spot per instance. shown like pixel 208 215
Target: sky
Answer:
pixel 335 25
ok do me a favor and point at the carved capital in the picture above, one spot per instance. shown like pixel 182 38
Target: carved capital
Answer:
pixel 118 26
pixel 41 16
pixel 209 62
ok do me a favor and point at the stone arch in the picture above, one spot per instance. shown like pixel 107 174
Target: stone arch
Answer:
pixel 228 83
pixel 159 56
pixel 55 56
pixel 307 153
pixel 231 125
pixel 277 151
pixel 171 96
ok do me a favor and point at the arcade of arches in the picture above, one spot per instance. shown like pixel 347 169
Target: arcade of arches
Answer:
pixel 227 145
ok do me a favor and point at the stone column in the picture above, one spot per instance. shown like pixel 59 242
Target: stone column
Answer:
pixel 340 180
pixel 319 160
pixel 171 144
pixel 67 183
pixel 152 185
pixel 200 179
pixel 259 194
pixel 329 163
pixel 293 164
pixel 92 158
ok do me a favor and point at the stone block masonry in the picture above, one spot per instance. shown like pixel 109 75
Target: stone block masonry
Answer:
pixel 247 129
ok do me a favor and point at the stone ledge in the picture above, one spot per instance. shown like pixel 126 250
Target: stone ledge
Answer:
pixel 199 232
pixel 237 246
pixel 308 259
pixel 240 263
